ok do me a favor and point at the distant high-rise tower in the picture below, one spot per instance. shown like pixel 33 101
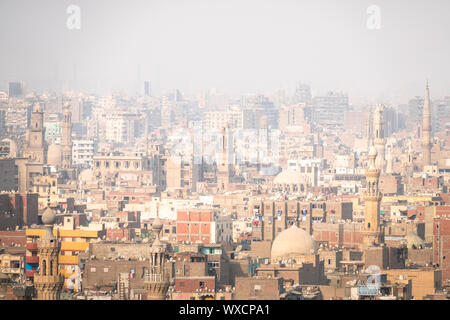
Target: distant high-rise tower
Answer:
pixel 16 89
pixel 156 280
pixel 372 231
pixel 66 139
pixel 48 282
pixel 35 146
pixel 147 88
pixel 379 140
pixel 426 130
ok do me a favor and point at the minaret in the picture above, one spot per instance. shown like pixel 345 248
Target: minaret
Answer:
pixel 426 130
pixel 372 231
pixel 48 282
pixel 369 127
pixel 35 146
pixel 225 166
pixel 66 140
pixel 389 160
pixel 379 140
pixel 146 135
pixel 157 281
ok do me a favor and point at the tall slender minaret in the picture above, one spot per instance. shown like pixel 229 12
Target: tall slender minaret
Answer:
pixel 157 280
pixel 371 231
pixel 48 282
pixel 426 130
pixel 146 135
pixel 35 146
pixel 66 139
pixel 389 160
pixel 225 165
pixel 369 125
pixel 379 140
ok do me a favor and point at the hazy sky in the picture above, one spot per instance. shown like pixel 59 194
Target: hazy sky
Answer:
pixel 236 46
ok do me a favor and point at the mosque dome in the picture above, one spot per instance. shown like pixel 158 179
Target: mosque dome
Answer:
pixel 157 224
pixel 289 176
pixel 291 243
pixel 54 155
pixel 373 151
pixel 49 216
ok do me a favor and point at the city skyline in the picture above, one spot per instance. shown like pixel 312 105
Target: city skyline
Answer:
pixel 224 150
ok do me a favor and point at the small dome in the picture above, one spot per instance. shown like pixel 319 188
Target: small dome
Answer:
pixel 54 155
pixel 289 176
pixel 157 224
pixel 291 243
pixel 49 216
pixel 372 151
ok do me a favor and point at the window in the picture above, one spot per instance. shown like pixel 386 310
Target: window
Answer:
pixel 93 269
pixel 202 284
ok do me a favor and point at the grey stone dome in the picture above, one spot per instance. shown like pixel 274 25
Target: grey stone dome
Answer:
pixel 49 216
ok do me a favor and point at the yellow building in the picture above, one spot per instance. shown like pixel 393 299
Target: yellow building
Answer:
pixel 72 243
pixel 424 280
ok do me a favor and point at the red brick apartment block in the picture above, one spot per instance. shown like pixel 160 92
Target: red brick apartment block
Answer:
pixel 194 226
pixel 441 246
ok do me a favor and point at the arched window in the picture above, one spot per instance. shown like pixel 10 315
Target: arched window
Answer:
pixel 44 268
pixel 51 268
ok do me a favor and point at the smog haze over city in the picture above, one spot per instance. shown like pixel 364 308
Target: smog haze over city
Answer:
pixel 245 151
pixel 234 46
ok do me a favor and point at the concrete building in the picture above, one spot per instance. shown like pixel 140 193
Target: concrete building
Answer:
pixel 83 152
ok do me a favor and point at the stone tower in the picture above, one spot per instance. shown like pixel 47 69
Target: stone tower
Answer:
pixel 35 146
pixel 379 140
pixel 371 231
pixel 156 280
pixel 225 165
pixel 369 126
pixel 66 139
pixel 426 130
pixel 389 160
pixel 48 282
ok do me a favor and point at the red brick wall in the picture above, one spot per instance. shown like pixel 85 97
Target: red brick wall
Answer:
pixel 441 246
pixel 194 226
pixel 192 284
pixel 119 234
pixel 7 238
pixel 443 211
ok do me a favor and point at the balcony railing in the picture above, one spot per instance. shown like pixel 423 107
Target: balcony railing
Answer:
pixel 10 270
pixel 155 277
pixel 30 273
pixel 32 246
pixel 32 259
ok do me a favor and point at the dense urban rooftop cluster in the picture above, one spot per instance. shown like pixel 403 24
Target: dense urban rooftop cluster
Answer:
pixel 214 196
